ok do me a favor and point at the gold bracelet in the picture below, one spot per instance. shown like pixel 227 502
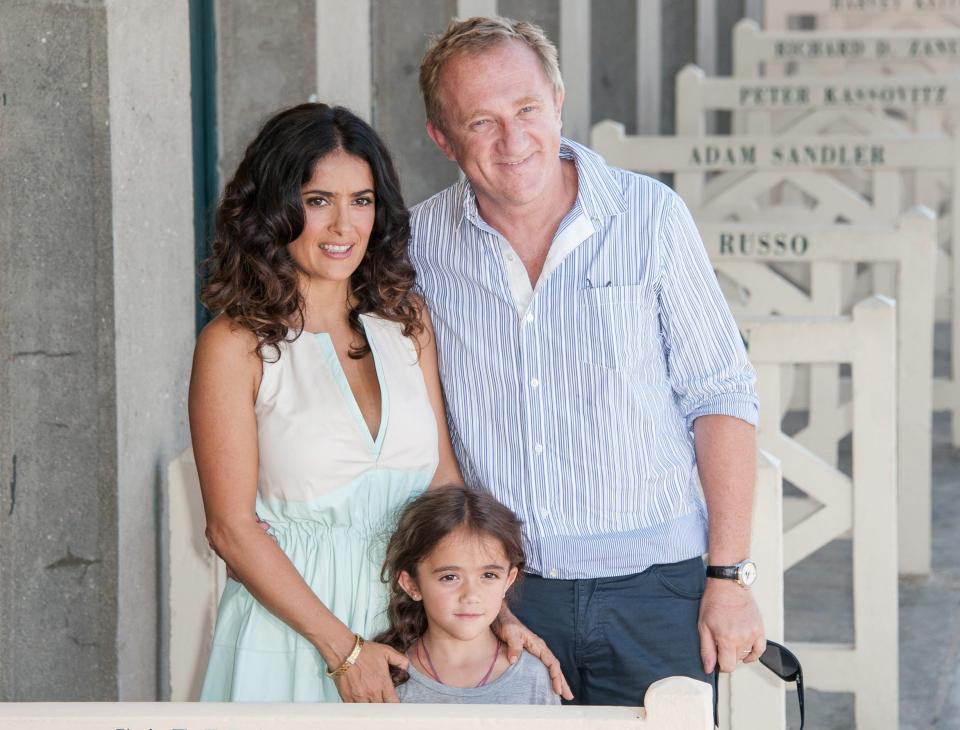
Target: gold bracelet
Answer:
pixel 349 661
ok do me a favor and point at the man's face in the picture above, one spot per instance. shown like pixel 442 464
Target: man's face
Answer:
pixel 501 123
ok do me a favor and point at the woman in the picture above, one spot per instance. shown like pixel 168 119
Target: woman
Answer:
pixel 315 403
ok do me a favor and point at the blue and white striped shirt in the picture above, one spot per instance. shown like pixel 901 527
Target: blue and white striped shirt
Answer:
pixel 573 402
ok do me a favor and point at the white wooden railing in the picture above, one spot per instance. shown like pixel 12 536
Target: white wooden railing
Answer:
pixel 677 703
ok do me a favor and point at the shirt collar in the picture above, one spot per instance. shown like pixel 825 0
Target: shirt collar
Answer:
pixel 599 195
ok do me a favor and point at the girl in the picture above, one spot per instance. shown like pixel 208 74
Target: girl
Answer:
pixel 454 556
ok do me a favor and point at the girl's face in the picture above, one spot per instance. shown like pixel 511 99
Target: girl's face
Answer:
pixel 338 205
pixel 462 584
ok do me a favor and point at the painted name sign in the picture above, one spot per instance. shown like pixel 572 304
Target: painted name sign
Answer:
pixel 879 6
pixel 889 94
pixel 812 155
pixel 927 47
pixel 763 244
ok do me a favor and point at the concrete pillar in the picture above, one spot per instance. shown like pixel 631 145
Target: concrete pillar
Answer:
pixel 58 548
pixel 574 46
pixel 728 14
pixel 266 60
pixel 96 333
pixel 545 13
pixel 344 33
pixel 400 32
pixel 613 73
pixel 153 293
pixel 679 47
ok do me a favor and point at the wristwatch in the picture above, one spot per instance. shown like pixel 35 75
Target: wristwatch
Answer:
pixel 744 572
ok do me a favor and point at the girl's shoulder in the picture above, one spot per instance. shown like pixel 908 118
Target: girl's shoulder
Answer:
pixel 529 664
pixel 527 682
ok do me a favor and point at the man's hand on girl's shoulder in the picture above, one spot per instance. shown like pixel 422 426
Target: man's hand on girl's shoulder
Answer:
pixel 518 637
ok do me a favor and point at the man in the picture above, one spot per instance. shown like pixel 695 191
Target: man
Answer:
pixel 593 375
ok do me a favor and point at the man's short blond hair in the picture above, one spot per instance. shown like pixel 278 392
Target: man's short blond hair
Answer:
pixel 474 36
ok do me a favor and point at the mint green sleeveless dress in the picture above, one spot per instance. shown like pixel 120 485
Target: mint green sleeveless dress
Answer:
pixel 331 494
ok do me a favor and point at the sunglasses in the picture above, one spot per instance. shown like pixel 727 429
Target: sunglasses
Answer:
pixel 784 663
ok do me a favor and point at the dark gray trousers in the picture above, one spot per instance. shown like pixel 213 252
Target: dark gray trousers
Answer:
pixel 615 637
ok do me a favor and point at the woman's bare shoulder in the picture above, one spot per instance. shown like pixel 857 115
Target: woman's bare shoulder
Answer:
pixel 225 340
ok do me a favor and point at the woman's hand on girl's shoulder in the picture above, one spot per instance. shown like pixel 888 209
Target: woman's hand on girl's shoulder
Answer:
pixel 368 680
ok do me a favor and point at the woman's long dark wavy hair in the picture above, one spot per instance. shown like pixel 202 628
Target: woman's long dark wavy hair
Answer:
pixel 423 524
pixel 252 276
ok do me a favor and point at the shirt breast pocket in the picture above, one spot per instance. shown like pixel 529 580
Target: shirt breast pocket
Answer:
pixel 617 326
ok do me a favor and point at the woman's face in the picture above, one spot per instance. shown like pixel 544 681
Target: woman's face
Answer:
pixel 338 205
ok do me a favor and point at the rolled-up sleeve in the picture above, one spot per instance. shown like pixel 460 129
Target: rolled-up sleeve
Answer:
pixel 708 365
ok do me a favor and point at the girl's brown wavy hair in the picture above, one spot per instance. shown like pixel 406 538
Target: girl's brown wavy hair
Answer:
pixel 424 523
pixel 252 277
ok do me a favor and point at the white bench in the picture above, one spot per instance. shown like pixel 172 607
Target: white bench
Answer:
pixel 934 49
pixel 909 246
pixel 887 82
pixel 865 504
pixel 197 578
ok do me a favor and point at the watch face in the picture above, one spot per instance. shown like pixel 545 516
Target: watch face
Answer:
pixel 748 573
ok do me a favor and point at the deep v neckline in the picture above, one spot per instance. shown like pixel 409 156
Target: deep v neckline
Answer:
pixel 349 397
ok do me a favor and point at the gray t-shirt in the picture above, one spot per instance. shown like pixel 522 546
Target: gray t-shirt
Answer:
pixel 525 683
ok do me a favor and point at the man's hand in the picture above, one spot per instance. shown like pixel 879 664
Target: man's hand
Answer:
pixel 369 679
pixel 518 637
pixel 731 628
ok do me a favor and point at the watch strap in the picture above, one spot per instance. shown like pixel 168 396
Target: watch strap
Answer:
pixel 723 571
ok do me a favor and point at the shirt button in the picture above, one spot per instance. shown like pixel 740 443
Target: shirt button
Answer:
pixel 534 383
pixel 538 448
pixel 530 317
pixel 509 257
pixel 544 513
pixel 553 573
